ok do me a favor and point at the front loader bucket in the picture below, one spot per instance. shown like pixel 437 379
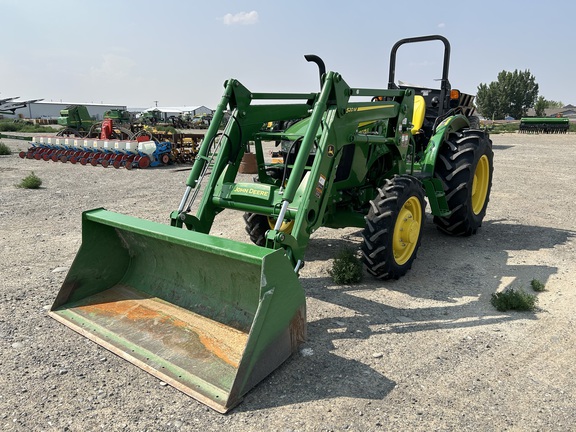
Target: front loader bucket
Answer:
pixel 209 316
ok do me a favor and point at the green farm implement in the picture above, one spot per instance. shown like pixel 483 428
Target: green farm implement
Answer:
pixel 15 137
pixel 76 121
pixel 547 125
pixel 213 316
pixel 120 117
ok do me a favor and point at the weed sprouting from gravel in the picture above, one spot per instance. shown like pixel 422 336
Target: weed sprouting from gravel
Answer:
pixel 537 285
pixel 31 181
pixel 514 299
pixel 4 149
pixel 347 268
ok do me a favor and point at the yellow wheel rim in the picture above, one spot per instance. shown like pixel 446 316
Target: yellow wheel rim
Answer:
pixel 286 227
pixel 480 184
pixel 407 230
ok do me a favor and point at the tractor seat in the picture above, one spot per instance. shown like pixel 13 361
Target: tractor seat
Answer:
pixel 418 115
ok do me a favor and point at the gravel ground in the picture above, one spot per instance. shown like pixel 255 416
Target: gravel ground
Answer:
pixel 427 352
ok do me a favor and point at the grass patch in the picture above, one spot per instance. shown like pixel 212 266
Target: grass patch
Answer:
pixel 4 149
pixel 8 126
pixel 31 181
pixel 512 299
pixel 503 127
pixel 537 285
pixel 37 128
pixel 12 126
pixel 346 269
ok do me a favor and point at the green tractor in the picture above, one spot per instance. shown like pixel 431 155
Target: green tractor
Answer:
pixel 212 316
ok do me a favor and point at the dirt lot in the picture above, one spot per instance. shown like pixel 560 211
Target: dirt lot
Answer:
pixel 427 352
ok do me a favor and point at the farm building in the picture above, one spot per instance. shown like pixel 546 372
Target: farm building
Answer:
pixel 568 111
pixel 51 110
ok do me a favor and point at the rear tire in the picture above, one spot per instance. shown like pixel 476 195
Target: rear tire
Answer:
pixel 474 122
pixel 393 229
pixel 465 167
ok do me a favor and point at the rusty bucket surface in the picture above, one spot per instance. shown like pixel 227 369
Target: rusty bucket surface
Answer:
pixel 209 316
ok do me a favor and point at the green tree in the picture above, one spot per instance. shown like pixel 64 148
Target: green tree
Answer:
pixel 511 94
pixel 540 106
pixel 487 101
pixel 554 104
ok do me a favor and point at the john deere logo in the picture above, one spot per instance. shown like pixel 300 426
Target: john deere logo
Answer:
pixel 252 190
pixel 330 151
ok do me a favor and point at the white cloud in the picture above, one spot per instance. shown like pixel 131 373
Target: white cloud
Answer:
pixel 441 25
pixel 245 18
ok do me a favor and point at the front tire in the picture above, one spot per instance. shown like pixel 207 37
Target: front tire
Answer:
pixel 257 225
pixel 465 168
pixel 393 229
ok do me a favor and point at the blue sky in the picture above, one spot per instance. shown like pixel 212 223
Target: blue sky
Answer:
pixel 180 52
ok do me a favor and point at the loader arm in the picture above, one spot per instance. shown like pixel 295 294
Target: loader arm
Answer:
pixel 222 152
pixel 332 121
